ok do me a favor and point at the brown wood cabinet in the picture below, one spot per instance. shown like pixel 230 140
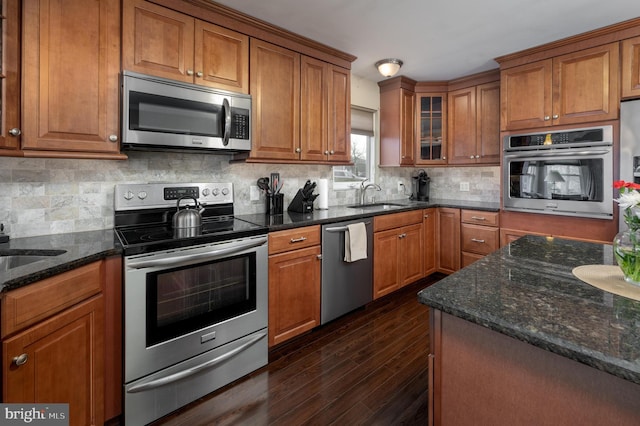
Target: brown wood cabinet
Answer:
pixel 479 234
pixel 58 337
pixel 10 79
pixel 631 68
pixel 577 87
pixel 70 95
pixel 294 282
pixel 398 258
pixel 301 107
pixel 397 122
pixel 429 240
pixel 474 127
pixel 165 43
pixel 447 239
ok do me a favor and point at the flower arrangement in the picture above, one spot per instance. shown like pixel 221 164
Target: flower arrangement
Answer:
pixel 629 201
pixel 626 245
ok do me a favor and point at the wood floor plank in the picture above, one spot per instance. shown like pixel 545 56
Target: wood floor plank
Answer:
pixel 368 367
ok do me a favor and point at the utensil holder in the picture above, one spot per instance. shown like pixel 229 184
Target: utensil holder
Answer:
pixel 275 204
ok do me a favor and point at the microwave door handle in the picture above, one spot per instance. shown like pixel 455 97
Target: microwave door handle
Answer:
pixel 226 110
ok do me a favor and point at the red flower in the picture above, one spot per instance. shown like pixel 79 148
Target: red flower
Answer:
pixel 622 184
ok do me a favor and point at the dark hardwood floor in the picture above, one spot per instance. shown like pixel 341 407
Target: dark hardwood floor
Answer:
pixel 368 367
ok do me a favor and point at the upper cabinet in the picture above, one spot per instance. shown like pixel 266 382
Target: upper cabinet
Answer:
pixel 577 87
pixel 165 43
pixel 473 124
pixel 397 122
pixel 631 68
pixel 70 85
pixel 301 107
pixel 10 79
pixel 431 123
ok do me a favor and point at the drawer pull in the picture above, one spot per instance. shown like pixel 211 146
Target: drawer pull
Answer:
pixel 21 359
pixel 478 218
pixel 402 235
pixel 475 240
pixel 298 240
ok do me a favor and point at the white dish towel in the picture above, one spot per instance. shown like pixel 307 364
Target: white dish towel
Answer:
pixel 355 242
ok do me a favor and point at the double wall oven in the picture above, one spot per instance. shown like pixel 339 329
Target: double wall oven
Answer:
pixel 195 307
pixel 565 172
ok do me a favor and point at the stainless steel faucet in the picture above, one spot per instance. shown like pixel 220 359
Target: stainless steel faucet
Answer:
pixel 364 187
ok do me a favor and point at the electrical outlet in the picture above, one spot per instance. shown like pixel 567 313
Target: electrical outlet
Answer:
pixel 464 186
pixel 400 186
pixel 254 193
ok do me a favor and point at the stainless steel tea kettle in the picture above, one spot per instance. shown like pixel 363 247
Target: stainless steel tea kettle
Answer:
pixel 187 217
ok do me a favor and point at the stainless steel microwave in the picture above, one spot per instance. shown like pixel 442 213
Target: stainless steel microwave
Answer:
pixel 164 115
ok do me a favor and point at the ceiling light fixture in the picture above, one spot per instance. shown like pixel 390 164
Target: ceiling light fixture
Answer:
pixel 389 67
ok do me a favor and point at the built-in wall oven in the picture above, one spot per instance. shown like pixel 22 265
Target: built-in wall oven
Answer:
pixel 565 172
pixel 195 308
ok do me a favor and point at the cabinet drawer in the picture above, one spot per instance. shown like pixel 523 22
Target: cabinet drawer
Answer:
pixel 480 217
pixel 293 239
pixel 479 239
pixel 396 220
pixel 27 305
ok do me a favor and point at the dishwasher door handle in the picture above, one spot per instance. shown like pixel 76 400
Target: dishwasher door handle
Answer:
pixel 342 228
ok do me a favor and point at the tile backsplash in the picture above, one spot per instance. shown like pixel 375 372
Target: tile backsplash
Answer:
pixel 50 196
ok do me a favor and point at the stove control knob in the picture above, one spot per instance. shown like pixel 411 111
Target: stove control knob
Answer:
pixel 205 192
pixel 225 191
pixel 215 192
pixel 142 195
pixel 128 195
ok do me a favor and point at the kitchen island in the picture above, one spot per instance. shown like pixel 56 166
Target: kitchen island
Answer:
pixel 516 338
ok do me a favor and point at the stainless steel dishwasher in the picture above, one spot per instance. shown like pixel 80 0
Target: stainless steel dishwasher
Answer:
pixel 345 285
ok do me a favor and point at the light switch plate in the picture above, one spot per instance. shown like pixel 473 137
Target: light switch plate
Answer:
pixel 254 193
pixel 464 186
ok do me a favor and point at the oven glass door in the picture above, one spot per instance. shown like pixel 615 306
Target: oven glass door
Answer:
pixel 185 299
pixel 576 179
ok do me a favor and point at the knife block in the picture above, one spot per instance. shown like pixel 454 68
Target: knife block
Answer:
pixel 299 204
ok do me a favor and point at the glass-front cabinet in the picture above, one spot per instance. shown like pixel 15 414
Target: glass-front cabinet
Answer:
pixel 431 131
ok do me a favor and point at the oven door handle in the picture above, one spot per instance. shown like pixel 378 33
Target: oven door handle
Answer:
pixel 194 370
pixel 535 154
pixel 179 260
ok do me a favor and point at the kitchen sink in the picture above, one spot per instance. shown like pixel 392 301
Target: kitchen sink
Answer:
pixel 376 206
pixel 13 258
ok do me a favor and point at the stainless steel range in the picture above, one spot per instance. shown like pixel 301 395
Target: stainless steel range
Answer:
pixel 195 299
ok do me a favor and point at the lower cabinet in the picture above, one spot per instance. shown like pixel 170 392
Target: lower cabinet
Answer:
pixel 398 252
pixel 429 240
pixel 294 282
pixel 448 239
pixel 59 335
pixel 479 234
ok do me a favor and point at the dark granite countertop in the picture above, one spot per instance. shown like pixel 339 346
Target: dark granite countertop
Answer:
pixel 342 213
pixel 85 247
pixel 527 291
pixel 81 248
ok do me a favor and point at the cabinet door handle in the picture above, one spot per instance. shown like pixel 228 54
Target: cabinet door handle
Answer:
pixel 199 74
pixel 555 116
pixel 426 216
pixel 298 240
pixel 478 218
pixel 15 132
pixel 20 359
pixel 475 240
pixel 402 235
pixel 113 138
pixel 326 153
pixel 547 118
pixel 477 156
pixel 189 72
pixel 331 152
pixel 298 150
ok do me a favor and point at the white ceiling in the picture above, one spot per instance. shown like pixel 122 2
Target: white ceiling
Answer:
pixel 436 39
